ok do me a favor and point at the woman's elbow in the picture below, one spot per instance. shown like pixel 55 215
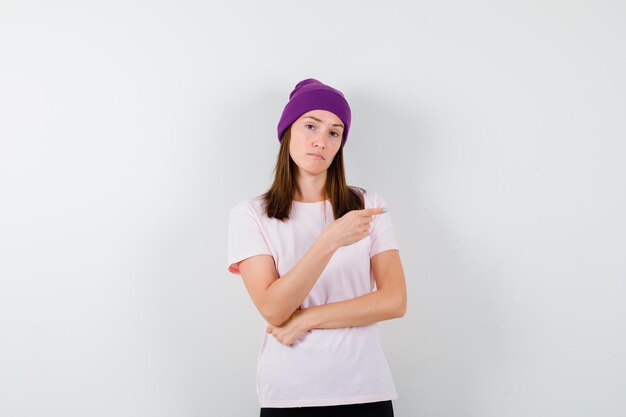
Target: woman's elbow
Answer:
pixel 270 317
pixel 273 317
pixel 400 310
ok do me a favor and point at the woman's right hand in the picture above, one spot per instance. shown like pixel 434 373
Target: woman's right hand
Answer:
pixel 351 227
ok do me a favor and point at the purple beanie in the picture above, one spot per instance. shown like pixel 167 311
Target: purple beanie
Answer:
pixel 310 94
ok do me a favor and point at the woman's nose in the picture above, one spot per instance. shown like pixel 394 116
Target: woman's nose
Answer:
pixel 320 140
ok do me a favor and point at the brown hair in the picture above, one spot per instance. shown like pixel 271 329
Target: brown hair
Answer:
pixel 277 200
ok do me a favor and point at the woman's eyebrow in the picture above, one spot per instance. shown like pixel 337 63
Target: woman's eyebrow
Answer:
pixel 319 120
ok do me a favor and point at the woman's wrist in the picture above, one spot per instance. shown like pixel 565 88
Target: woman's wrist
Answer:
pixel 326 244
pixel 307 317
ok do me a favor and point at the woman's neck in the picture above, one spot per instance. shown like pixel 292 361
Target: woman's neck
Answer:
pixel 310 188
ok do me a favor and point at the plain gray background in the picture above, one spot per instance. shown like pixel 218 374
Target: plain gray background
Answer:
pixel 495 131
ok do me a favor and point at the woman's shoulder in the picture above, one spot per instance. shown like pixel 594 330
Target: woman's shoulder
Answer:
pixel 248 205
pixel 371 197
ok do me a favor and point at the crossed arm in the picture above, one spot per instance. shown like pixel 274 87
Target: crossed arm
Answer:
pixel 387 302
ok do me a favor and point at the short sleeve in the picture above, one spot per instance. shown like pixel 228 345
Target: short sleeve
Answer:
pixel 381 231
pixel 245 236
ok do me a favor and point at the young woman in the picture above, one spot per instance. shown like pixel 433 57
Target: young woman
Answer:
pixel 309 251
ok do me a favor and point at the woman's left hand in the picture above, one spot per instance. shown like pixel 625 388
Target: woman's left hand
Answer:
pixel 291 330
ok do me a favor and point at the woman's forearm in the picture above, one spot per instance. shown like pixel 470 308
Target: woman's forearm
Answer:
pixel 289 291
pixel 360 311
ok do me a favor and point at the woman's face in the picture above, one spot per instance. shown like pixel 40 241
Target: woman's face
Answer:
pixel 317 132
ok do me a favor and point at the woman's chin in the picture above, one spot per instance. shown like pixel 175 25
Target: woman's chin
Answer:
pixel 312 167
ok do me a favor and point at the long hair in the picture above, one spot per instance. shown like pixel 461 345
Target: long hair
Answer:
pixel 277 200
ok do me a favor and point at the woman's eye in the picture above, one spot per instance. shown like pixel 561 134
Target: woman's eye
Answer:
pixel 307 125
pixel 335 134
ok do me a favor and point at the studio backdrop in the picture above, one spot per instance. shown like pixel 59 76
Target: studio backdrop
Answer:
pixel 494 130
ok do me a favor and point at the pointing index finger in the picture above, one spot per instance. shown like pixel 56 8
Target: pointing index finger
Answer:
pixel 375 210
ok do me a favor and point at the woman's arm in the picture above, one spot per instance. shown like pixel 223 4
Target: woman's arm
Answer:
pixel 387 302
pixel 277 299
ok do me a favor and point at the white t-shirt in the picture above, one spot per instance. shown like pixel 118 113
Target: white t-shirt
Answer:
pixel 326 366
